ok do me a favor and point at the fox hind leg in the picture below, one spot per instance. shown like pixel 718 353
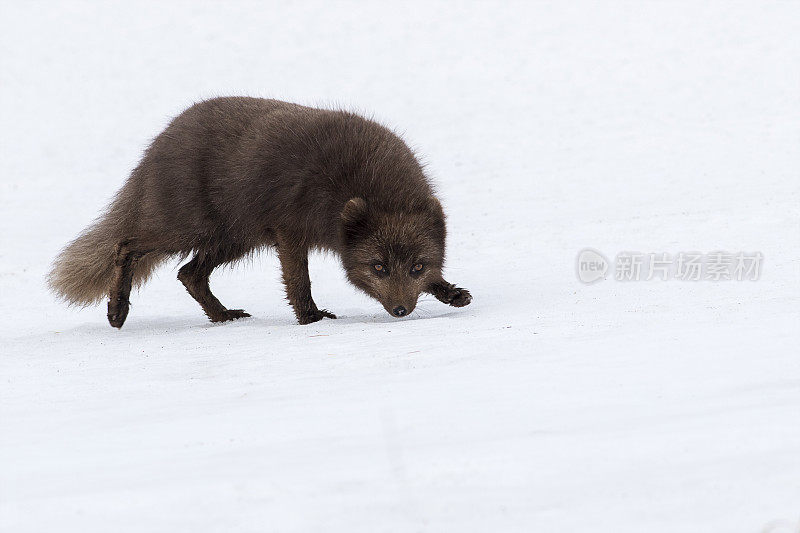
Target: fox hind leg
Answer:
pixel 194 276
pixel 118 299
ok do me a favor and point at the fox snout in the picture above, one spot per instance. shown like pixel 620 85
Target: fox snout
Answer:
pixel 400 310
pixel 400 307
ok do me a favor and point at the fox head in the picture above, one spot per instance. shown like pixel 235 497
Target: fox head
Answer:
pixel 393 255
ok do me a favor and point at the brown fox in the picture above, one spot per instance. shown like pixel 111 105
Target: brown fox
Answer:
pixel 231 176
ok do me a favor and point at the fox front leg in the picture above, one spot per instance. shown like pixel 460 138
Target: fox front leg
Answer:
pixel 294 264
pixel 450 294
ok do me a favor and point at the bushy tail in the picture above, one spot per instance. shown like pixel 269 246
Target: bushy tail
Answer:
pixel 82 272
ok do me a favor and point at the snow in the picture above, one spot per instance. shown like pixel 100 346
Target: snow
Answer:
pixel 547 404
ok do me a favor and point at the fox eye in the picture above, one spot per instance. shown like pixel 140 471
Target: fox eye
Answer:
pixel 416 269
pixel 379 267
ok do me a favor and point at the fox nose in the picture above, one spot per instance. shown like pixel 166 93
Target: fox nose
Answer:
pixel 399 311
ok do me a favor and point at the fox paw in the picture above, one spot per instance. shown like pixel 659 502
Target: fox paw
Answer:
pixel 314 316
pixel 459 297
pixel 229 314
pixel 118 312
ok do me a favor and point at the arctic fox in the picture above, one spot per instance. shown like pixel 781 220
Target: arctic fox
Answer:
pixel 230 176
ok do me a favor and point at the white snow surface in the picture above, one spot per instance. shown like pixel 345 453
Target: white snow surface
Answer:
pixel 547 404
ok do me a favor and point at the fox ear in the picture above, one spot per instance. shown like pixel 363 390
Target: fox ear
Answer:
pixel 435 206
pixel 354 216
pixel 354 210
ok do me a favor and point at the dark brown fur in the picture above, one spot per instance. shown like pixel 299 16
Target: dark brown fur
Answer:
pixel 230 176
